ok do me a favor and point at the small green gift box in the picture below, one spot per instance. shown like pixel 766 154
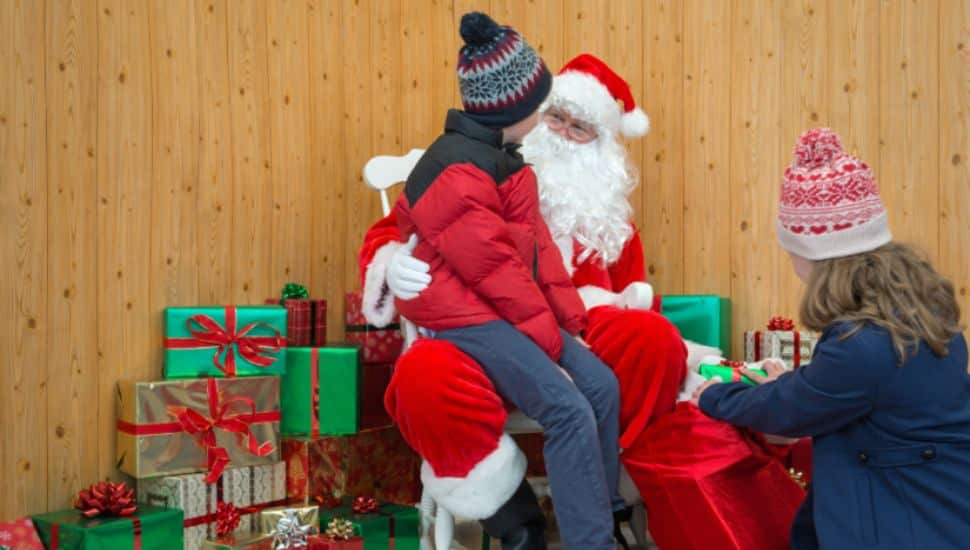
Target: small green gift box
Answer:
pixel 224 341
pixel 728 374
pixel 319 392
pixel 387 522
pixel 149 528
pixel 701 318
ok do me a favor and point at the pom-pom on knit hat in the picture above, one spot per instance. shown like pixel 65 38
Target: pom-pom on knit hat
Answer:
pixel 830 205
pixel 502 79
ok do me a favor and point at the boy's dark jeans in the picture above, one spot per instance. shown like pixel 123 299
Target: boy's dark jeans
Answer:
pixel 580 421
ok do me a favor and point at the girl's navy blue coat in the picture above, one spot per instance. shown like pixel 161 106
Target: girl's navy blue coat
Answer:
pixel 891 450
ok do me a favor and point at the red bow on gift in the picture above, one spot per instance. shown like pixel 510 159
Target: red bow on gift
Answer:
pixel 227 518
pixel 106 498
pixel 780 323
pixel 194 422
pixel 206 332
pixel 364 505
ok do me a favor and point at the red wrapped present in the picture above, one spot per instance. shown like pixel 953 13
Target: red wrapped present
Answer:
pixel 381 345
pixel 19 535
pixel 709 484
pixel 372 462
pixel 531 445
pixel 375 378
pixel 306 321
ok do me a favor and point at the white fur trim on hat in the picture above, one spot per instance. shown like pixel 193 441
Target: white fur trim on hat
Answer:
pixel 377 303
pixel 489 485
pixel 634 123
pixel 837 244
pixel 587 99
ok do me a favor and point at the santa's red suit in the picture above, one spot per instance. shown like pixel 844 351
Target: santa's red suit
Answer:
pixel 705 483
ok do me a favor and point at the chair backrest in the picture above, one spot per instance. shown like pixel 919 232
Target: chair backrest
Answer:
pixel 385 171
pixel 381 173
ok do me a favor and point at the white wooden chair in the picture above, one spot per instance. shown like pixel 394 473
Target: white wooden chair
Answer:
pixel 381 173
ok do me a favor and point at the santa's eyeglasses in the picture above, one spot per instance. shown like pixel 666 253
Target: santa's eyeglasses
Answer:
pixel 562 123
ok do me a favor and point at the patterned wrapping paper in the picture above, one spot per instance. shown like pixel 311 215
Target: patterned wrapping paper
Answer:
pixel 149 528
pixel 154 439
pixel 381 345
pixel 376 463
pixel 780 344
pixel 246 486
pixel 19 535
pixel 225 341
pixel 306 321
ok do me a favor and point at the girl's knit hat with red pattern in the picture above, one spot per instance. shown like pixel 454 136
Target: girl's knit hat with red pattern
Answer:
pixel 830 205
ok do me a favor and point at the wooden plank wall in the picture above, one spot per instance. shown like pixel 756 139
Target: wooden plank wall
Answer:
pixel 157 153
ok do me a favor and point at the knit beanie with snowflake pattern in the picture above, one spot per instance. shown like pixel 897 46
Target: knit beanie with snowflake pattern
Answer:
pixel 502 79
pixel 830 205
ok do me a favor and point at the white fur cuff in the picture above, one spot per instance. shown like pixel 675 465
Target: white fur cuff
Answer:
pixel 377 302
pixel 489 485
pixel 593 296
pixel 697 354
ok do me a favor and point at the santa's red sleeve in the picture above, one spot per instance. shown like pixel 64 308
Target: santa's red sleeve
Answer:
pixel 380 243
pixel 629 268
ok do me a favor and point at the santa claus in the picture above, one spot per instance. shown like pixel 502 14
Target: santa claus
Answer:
pixel 585 181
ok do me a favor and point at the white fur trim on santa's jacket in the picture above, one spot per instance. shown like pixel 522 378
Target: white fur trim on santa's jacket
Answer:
pixel 377 301
pixel 594 296
pixel 489 485
pixel 637 295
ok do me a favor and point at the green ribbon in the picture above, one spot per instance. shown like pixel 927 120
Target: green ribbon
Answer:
pixel 294 291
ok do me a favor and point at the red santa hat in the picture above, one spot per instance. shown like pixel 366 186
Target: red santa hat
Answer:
pixel 591 87
pixel 449 412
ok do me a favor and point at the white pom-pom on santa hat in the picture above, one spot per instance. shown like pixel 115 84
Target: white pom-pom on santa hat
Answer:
pixel 591 86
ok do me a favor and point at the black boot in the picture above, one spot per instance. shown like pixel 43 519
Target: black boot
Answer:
pixel 620 517
pixel 519 523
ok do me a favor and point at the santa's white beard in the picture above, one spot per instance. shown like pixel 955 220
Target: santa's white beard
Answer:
pixel 583 190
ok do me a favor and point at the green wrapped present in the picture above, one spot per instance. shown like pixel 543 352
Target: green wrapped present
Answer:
pixel 319 392
pixel 728 374
pixel 701 318
pixel 224 341
pixel 149 528
pixel 378 522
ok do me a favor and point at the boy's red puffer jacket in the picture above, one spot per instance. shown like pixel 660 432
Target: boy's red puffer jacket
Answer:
pixel 475 207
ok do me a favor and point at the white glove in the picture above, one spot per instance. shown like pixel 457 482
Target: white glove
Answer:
pixel 637 295
pixel 407 276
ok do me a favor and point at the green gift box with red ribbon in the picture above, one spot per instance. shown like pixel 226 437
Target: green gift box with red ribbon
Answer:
pixel 149 528
pixel 319 394
pixel 727 373
pixel 379 523
pixel 224 341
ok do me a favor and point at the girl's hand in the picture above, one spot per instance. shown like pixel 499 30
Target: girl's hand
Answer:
pixel 773 369
pixel 696 398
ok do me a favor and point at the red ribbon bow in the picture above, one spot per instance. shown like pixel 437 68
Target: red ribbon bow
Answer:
pixel 194 422
pixel 364 505
pixel 780 323
pixel 227 518
pixel 206 332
